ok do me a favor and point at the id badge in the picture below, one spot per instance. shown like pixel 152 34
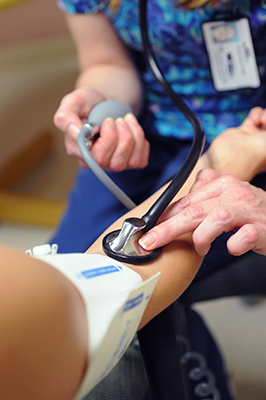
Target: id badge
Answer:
pixel 231 54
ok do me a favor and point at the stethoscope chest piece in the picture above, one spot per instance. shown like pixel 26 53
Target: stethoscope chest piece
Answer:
pixel 122 245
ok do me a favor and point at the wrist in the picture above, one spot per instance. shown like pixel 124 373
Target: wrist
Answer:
pixel 226 160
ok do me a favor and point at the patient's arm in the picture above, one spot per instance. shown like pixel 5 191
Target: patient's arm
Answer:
pixel 43 325
pixel 178 264
pixel 239 151
pixel 43 330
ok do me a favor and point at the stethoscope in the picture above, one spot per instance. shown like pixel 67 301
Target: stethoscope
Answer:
pixel 122 245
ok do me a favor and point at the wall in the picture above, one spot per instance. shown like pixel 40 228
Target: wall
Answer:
pixel 38 67
pixel 31 20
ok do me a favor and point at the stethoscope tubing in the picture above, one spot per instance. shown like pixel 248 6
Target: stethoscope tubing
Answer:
pixel 196 149
pixel 152 215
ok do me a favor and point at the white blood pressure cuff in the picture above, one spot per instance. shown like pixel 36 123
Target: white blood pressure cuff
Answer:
pixel 115 298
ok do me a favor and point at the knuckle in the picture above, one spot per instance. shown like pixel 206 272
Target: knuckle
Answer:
pixel 70 152
pixel 65 98
pixel 206 173
pixel 147 146
pixel 144 159
pixel 59 116
pixel 244 193
pixel 183 203
pixel 139 135
pixel 195 211
pixel 101 160
pixel 99 154
pixel 144 163
pixel 68 99
pixel 222 214
pixel 250 233
pixel 227 180
pixel 136 162
pixel 117 164
pixel 199 241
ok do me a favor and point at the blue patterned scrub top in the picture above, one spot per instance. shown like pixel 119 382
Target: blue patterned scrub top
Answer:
pixel 177 42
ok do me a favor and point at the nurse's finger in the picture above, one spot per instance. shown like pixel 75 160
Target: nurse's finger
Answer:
pixel 178 225
pixel 75 107
pixel 248 237
pixel 104 147
pixel 220 219
pixel 139 156
pixel 207 219
pixel 125 145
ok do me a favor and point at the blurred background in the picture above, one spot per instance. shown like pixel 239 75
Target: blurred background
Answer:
pixel 38 67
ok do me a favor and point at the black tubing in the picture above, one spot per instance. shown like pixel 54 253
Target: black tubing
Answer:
pixel 199 138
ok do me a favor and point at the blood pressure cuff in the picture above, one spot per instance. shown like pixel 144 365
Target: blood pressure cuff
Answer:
pixel 115 298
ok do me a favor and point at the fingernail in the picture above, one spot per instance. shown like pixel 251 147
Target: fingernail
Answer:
pixel 120 120
pixel 73 130
pixel 129 117
pixel 110 121
pixel 148 240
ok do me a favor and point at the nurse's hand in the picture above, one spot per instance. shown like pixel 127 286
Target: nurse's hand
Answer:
pixel 122 143
pixel 216 204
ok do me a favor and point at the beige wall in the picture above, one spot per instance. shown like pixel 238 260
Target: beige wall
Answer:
pixel 38 67
pixel 31 20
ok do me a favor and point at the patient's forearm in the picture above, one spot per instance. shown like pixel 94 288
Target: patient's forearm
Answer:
pixel 178 262
pixel 52 346
pixel 178 265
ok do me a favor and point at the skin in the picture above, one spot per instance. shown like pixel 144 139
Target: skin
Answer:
pixel 122 143
pixel 178 265
pixel 47 373
pixel 238 150
pixel 57 304
pixel 57 322
pixel 106 72
pixel 220 203
pixel 43 329
pixel 44 349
